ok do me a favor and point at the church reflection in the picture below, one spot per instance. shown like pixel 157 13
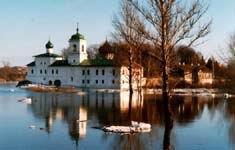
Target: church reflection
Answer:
pixel 112 108
pixel 76 110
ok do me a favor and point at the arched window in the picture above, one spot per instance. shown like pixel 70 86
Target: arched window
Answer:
pixel 71 79
pixel 74 48
pixel 83 48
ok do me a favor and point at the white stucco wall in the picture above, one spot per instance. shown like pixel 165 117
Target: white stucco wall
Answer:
pixel 78 54
pixel 84 77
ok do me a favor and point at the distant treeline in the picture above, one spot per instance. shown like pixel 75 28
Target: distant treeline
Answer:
pixel 8 73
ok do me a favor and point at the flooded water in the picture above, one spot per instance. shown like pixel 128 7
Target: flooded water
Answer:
pixel 51 121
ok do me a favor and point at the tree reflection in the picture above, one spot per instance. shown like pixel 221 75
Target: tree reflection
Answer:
pixel 230 115
pixel 168 122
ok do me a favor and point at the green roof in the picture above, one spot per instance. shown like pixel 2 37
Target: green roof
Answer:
pixel 76 37
pixel 49 45
pixel 48 55
pixel 98 62
pixel 32 64
pixel 60 63
pixel 85 63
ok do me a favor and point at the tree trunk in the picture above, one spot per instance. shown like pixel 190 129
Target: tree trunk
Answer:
pixel 168 123
pixel 130 82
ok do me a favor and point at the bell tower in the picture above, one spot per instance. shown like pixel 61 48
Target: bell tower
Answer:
pixel 77 48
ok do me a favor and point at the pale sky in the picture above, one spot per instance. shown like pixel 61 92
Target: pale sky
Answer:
pixel 27 25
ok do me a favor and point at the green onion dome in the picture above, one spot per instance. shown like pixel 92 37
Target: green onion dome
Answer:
pixel 76 37
pixel 49 45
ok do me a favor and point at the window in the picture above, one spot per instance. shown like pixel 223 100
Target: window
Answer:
pixel 45 71
pixel 44 79
pixel 97 72
pixel 113 81
pixel 52 71
pixel 103 72
pixel 96 81
pixel 88 81
pixel 32 71
pixel 83 81
pixel 57 72
pixel 40 63
pixel 74 61
pixel 83 72
pixel 71 79
pixel 74 48
pixel 45 63
pixel 41 71
pixel 114 72
pixel 102 81
pixel 88 72
pixel 83 48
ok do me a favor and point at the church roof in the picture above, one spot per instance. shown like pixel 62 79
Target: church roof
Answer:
pixel 32 64
pixel 60 63
pixel 106 48
pixel 49 45
pixel 76 37
pixel 98 62
pixel 85 63
pixel 48 55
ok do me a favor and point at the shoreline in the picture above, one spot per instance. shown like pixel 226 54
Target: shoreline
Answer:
pixel 177 91
pixel 8 82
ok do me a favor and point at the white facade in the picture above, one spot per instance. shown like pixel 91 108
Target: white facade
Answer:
pixel 78 70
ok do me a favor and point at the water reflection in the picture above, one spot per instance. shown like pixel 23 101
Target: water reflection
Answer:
pixel 104 108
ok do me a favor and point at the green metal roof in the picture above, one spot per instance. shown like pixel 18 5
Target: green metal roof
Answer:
pixel 77 37
pixel 48 55
pixel 98 62
pixel 60 63
pixel 49 45
pixel 86 63
pixel 32 64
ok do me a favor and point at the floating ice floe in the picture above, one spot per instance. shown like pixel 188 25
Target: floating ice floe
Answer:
pixel 26 101
pixel 12 90
pixel 134 128
pixel 32 126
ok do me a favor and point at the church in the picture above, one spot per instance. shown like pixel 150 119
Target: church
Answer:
pixel 78 70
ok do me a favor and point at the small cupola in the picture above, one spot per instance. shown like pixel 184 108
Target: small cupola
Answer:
pixel 49 47
pixel 106 50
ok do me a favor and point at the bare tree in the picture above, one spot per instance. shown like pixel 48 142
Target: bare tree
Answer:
pixel 127 25
pixel 65 52
pixel 172 22
pixel 6 64
pixel 231 47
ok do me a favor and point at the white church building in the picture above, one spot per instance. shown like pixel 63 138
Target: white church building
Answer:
pixel 77 70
